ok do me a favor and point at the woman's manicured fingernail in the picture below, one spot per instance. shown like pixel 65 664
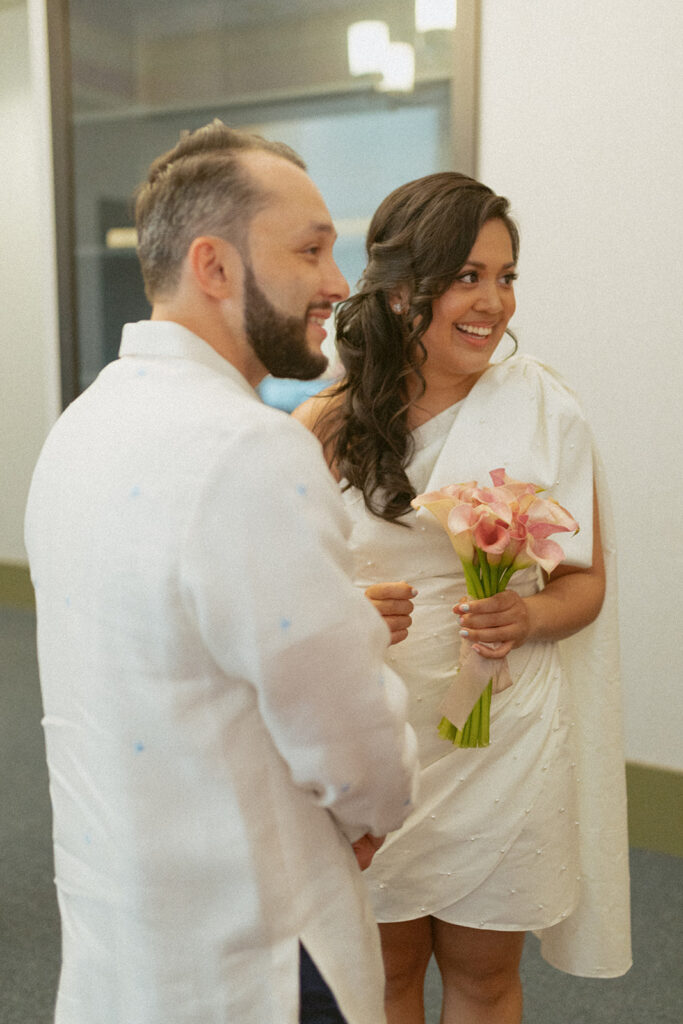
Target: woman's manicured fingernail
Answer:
pixel 464 608
pixel 413 592
pixel 464 632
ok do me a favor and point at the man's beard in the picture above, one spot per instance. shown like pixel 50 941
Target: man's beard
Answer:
pixel 279 341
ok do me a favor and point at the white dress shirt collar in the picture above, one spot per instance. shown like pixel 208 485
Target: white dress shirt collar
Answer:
pixel 168 339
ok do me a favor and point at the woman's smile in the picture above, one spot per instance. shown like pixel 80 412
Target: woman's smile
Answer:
pixel 476 334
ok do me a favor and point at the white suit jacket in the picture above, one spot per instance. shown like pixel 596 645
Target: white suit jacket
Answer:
pixel 218 719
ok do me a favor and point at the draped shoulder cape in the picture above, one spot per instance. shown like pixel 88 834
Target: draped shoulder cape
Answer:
pixel 520 415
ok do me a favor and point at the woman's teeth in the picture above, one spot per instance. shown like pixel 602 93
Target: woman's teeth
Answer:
pixel 481 332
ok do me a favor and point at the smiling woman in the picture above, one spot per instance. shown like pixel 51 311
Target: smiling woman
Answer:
pixel 504 835
pixel 441 248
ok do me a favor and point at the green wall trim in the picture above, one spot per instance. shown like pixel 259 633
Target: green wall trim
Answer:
pixel 655 808
pixel 15 586
pixel 655 795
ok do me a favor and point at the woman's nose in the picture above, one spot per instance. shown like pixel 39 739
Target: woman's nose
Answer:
pixel 489 297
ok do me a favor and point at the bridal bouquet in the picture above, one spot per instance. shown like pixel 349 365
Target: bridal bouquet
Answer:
pixel 495 531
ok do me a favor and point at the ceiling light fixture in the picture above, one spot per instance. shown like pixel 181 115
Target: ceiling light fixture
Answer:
pixel 367 46
pixel 435 14
pixel 399 69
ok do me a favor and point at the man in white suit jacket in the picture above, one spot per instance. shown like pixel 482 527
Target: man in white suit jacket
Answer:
pixel 220 727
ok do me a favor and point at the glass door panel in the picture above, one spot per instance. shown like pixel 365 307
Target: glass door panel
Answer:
pixel 143 71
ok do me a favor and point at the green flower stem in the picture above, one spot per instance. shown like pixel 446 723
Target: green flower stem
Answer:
pixel 474 584
pixel 485 715
pixel 483 580
pixel 484 572
pixel 489 574
pixel 447 731
pixel 475 719
pixel 505 578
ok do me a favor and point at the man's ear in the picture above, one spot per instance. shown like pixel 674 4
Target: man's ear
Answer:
pixel 216 266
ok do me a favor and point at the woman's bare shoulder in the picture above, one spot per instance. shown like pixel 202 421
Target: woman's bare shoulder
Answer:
pixel 313 410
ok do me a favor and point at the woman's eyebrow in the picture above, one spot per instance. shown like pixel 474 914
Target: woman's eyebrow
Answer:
pixel 482 266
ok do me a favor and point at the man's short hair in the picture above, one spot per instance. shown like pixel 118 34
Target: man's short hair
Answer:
pixel 200 187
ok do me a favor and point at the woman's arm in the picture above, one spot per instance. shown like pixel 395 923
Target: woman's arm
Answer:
pixel 571 599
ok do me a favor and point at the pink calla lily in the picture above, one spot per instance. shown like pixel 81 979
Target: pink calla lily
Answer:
pixel 516 487
pixel 445 503
pixel 491 535
pixel 546 513
pixel 546 553
pixel 495 531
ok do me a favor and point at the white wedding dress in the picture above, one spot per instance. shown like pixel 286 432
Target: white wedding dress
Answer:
pixel 518 835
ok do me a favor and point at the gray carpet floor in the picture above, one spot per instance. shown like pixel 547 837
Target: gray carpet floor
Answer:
pixel 651 993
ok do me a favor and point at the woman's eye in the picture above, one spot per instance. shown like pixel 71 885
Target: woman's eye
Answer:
pixel 509 279
pixel 469 278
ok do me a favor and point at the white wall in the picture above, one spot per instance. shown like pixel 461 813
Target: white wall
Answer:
pixel 581 128
pixel 28 366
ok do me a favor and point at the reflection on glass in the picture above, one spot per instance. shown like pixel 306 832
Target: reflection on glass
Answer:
pixel 143 71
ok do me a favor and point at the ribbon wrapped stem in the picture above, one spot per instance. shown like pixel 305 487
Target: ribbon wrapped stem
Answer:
pixel 466 708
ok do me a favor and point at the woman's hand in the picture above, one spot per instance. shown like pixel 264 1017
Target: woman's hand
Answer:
pixel 502 620
pixel 393 602
pixel 570 601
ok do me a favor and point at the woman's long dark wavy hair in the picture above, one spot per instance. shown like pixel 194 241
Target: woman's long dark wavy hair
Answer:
pixel 418 241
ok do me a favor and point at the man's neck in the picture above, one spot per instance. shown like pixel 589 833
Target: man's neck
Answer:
pixel 214 332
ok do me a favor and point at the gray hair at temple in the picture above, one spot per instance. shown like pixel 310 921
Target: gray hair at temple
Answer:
pixel 200 187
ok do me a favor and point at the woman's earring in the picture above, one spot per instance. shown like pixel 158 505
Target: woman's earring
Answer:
pixel 397 307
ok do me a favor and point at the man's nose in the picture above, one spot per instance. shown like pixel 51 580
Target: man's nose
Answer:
pixel 335 285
